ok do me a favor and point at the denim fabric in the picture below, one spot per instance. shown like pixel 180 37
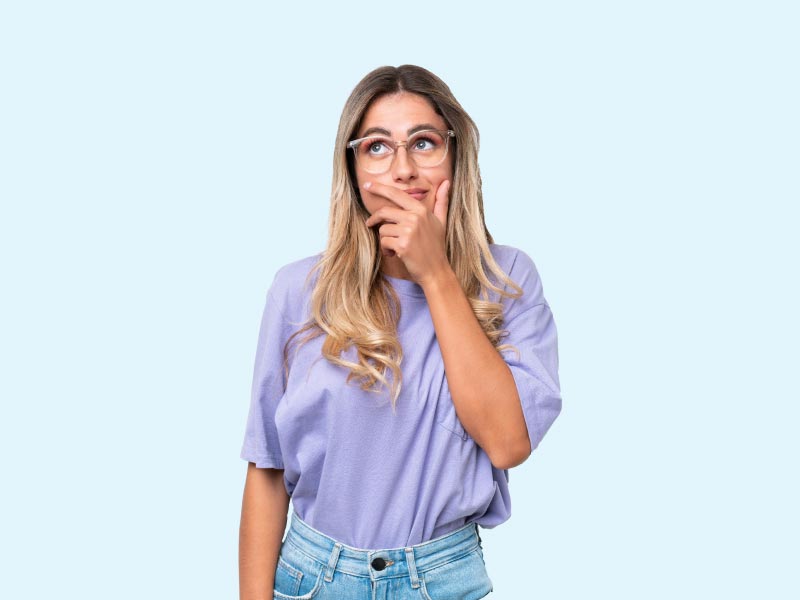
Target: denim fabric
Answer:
pixel 313 565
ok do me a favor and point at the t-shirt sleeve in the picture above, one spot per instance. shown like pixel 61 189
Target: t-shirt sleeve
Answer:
pixel 532 330
pixel 261 444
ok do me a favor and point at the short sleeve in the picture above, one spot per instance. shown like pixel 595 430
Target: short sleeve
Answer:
pixel 261 444
pixel 532 331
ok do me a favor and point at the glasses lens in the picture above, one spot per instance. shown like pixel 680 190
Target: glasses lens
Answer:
pixel 374 154
pixel 428 148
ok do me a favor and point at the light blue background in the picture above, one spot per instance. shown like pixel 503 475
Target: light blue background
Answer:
pixel 160 160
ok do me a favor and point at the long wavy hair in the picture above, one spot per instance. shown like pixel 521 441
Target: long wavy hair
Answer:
pixel 351 304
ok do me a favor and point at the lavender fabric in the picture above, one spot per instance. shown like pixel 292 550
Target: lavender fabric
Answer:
pixel 363 475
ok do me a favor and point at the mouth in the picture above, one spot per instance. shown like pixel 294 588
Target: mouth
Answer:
pixel 417 193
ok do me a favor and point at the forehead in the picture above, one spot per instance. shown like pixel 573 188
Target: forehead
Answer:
pixel 399 113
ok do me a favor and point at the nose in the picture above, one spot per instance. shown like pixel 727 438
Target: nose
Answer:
pixel 403 167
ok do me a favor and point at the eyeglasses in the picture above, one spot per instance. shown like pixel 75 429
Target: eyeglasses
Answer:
pixel 428 148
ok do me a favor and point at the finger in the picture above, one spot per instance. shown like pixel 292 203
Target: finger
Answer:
pixel 442 202
pixel 388 246
pixel 390 230
pixel 385 214
pixel 396 195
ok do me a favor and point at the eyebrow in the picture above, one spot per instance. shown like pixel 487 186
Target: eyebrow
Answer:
pixel 422 127
pixel 373 130
pixel 387 133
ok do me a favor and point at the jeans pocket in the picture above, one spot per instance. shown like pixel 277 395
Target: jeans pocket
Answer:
pixel 465 578
pixel 296 581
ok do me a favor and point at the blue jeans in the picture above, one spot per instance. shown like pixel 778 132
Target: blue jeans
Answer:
pixel 313 565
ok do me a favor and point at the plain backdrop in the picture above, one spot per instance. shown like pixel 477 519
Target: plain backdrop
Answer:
pixel 159 161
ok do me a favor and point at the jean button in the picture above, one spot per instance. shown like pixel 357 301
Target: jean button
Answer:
pixel 378 564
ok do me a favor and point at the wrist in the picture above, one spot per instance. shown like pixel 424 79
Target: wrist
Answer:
pixel 440 281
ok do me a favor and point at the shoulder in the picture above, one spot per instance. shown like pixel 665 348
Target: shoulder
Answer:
pixel 506 256
pixel 521 269
pixel 293 283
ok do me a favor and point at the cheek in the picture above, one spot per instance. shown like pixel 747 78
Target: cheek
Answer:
pixel 446 171
pixel 373 203
pixel 450 171
pixel 369 201
pixel 444 174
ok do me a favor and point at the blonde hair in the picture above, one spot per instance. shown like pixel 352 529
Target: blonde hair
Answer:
pixel 350 303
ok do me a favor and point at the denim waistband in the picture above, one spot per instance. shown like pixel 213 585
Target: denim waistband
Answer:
pixel 396 562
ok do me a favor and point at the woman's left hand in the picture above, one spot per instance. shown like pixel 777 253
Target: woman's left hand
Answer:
pixel 414 233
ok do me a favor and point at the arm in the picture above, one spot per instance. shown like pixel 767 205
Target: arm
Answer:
pixel 264 512
pixel 505 405
pixel 481 384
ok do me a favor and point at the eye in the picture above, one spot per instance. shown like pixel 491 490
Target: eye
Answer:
pixel 427 143
pixel 375 147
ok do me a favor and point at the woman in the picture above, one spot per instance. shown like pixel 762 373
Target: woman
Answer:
pixel 391 469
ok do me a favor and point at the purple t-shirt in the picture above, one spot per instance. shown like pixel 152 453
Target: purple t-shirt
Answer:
pixel 373 479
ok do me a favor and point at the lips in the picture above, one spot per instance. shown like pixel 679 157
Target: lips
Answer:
pixel 417 193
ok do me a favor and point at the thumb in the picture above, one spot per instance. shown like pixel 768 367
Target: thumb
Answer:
pixel 442 202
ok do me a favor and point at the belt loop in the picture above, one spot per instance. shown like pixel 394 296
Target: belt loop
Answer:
pixel 412 568
pixel 332 562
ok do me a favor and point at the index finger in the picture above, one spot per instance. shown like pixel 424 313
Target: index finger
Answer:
pixel 391 193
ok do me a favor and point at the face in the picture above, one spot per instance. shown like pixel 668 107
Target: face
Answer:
pixel 397 114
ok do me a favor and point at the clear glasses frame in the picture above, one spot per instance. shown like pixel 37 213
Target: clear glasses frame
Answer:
pixel 445 133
